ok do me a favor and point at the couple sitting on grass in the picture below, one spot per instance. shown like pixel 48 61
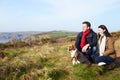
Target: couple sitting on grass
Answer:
pixel 97 49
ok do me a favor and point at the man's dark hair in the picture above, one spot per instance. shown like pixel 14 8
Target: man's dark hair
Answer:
pixel 87 23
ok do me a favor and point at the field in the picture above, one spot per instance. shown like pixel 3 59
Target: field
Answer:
pixel 51 61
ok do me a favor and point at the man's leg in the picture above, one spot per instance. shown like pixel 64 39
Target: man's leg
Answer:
pixel 82 58
pixel 88 53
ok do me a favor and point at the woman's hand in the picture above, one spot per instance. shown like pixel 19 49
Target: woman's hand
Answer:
pixel 101 54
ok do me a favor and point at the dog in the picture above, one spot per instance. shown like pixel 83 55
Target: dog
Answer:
pixel 74 54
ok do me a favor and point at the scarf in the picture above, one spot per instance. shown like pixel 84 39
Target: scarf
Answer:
pixel 102 44
pixel 83 40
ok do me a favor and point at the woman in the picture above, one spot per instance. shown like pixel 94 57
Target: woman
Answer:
pixel 106 53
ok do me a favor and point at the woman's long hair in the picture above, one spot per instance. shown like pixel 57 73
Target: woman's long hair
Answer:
pixel 106 33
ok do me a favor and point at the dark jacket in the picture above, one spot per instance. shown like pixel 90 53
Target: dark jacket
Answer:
pixel 91 39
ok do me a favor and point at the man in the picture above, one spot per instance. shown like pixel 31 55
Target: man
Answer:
pixel 86 40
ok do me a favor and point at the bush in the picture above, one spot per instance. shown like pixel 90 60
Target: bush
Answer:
pixel 2 54
pixel 47 40
pixel 13 44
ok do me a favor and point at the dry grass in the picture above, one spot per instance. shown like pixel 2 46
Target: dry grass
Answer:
pixel 117 44
pixel 38 62
pixel 51 61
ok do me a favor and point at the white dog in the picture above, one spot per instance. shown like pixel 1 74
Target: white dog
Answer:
pixel 74 54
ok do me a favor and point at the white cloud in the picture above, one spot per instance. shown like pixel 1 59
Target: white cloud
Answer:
pixel 61 12
pixel 72 9
pixel 66 11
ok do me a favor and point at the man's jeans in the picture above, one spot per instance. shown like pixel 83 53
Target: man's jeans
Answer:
pixel 87 55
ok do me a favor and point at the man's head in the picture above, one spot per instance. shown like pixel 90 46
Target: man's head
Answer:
pixel 85 26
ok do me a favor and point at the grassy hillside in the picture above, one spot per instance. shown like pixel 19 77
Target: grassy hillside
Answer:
pixel 49 61
pixel 58 33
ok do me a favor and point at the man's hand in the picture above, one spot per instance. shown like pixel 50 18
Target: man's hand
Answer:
pixel 84 49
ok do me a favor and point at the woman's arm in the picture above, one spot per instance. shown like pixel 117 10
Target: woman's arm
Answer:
pixel 109 47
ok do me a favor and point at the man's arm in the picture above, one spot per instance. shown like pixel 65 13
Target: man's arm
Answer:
pixel 94 40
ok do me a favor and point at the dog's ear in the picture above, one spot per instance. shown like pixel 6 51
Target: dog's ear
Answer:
pixel 73 47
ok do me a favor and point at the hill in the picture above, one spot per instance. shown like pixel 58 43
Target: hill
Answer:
pixel 49 60
pixel 8 36
pixel 21 36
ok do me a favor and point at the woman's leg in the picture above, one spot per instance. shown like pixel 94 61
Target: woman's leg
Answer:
pixel 94 56
pixel 105 59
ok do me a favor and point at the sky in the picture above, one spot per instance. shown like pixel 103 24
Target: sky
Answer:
pixel 49 15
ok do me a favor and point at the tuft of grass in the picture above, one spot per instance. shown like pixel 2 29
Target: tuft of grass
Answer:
pixel 111 75
pixel 81 72
pixel 57 74
pixel 10 53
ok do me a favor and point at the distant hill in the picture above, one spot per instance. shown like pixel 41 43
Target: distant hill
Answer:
pixel 49 35
pixel 32 35
pixel 57 34
pixel 29 36
pixel 8 36
pixel 61 34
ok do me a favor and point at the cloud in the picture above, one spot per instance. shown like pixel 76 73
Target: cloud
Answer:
pixel 63 12
pixel 60 13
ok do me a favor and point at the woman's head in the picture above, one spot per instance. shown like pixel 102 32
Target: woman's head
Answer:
pixel 102 30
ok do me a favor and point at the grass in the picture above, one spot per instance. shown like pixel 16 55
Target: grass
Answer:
pixel 50 61
pixel 117 44
pixel 14 52
pixel 57 34
pixel 57 74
